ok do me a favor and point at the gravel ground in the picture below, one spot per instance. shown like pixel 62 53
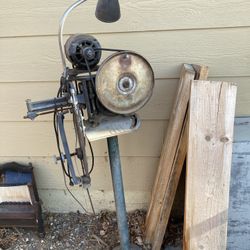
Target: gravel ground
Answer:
pixel 75 231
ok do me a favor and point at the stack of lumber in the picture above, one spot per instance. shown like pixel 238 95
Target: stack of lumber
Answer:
pixel 201 129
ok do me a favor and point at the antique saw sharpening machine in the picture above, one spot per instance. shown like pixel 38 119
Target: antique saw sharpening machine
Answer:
pixel 101 97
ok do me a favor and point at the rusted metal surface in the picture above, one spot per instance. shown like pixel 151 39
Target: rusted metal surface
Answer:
pixel 124 82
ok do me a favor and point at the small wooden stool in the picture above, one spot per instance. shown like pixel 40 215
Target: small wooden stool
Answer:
pixel 19 201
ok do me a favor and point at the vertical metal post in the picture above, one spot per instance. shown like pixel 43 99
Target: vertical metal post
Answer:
pixel 116 172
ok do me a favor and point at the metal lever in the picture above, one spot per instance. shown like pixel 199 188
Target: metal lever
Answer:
pixel 75 179
pixel 36 108
pixel 62 157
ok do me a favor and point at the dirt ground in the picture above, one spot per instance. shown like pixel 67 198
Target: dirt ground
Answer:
pixel 74 231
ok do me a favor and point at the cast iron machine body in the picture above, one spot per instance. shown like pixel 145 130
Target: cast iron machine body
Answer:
pixel 101 98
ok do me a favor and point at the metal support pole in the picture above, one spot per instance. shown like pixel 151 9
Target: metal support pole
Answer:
pixel 116 172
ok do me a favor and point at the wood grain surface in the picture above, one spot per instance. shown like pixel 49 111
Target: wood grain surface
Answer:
pixel 168 153
pixel 212 110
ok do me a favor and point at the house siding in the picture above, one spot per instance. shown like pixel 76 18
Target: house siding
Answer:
pixel 167 33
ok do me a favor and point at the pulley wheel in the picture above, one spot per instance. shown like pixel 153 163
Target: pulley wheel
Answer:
pixel 124 82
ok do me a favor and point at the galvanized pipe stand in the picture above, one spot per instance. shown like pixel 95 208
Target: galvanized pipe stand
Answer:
pixel 116 172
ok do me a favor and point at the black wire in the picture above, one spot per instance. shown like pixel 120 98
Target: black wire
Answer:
pixel 105 49
pixel 76 86
pixel 90 146
pixel 91 202
pixel 93 157
pixel 90 75
pixel 92 154
pixel 84 209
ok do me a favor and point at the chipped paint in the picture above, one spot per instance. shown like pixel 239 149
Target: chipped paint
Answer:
pixel 239 206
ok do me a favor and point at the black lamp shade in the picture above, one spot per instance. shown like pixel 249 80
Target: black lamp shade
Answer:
pixel 108 11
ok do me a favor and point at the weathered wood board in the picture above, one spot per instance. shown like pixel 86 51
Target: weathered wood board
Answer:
pixel 155 233
pixel 239 205
pixel 211 121
pixel 161 188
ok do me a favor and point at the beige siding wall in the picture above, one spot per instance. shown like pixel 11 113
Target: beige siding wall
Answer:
pixel 167 33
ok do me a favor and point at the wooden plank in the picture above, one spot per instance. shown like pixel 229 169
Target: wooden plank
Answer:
pixel 212 110
pixel 38 139
pixel 169 149
pixel 29 18
pixel 169 194
pixel 158 108
pixel 201 72
pixel 37 58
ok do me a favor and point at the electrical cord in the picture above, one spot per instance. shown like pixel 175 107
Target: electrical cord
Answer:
pixel 84 209
pixel 106 49
pixel 90 75
pixel 91 202
pixel 92 156
pixel 90 146
pixel 89 196
pixel 91 151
